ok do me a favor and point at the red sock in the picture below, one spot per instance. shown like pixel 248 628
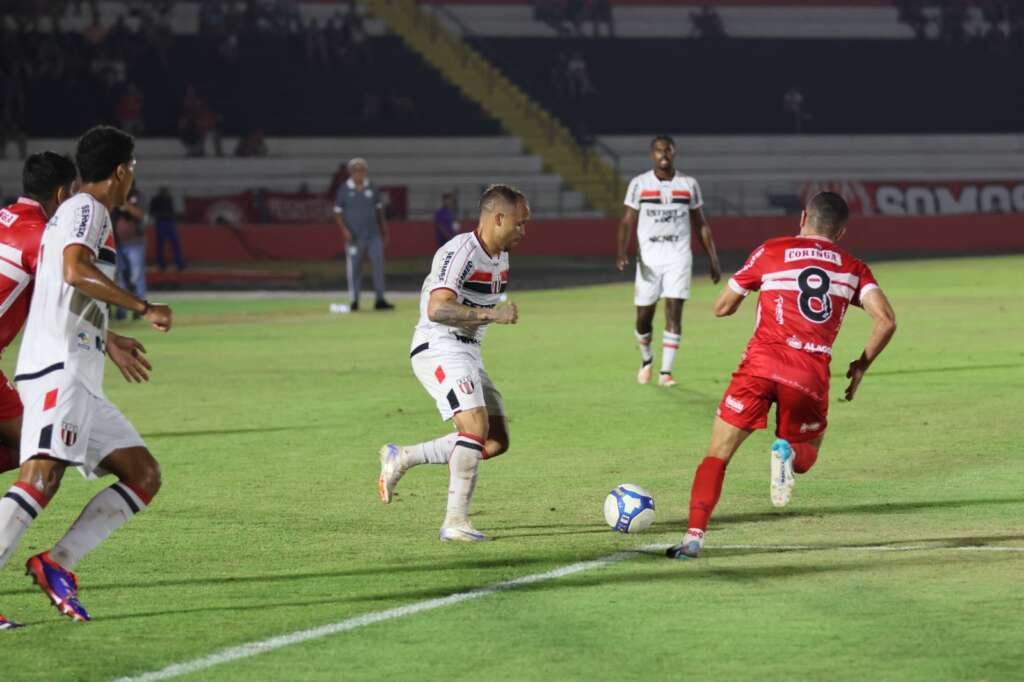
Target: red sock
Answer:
pixel 806 456
pixel 9 459
pixel 707 488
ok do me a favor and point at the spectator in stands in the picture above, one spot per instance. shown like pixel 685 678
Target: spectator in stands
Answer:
pixel 552 13
pixel 130 233
pixel 252 144
pixel 578 73
pixel 129 110
pixel 197 123
pixel 911 13
pixel 600 13
pixel 793 106
pixel 445 224
pixel 359 213
pixel 161 208
pixel 708 23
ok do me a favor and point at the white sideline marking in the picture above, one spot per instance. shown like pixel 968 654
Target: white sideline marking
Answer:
pixel 263 646
pixel 253 648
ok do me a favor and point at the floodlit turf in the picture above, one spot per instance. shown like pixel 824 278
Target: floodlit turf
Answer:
pixel 267 417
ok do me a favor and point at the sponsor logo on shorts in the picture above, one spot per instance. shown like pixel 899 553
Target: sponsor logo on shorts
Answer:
pixel 466 385
pixel 813 254
pixel 733 404
pixel 7 218
pixel 83 342
pixel 813 426
pixel 68 433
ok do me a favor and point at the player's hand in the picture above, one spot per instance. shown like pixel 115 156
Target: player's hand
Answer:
pixel 716 273
pixel 159 315
pixel 621 262
pixel 129 357
pixel 855 374
pixel 506 313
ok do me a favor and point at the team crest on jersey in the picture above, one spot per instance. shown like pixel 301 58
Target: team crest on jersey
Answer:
pixel 7 218
pixel 83 341
pixel 466 385
pixel 68 433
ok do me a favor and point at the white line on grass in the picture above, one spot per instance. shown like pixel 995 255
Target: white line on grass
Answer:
pixel 253 648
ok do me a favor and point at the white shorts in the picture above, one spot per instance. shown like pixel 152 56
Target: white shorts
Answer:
pixel 663 281
pixel 457 382
pixel 65 421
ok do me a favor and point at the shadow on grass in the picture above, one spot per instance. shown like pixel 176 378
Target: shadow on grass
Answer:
pixel 231 432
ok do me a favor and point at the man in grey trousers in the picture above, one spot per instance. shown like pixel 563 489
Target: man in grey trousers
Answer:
pixel 360 215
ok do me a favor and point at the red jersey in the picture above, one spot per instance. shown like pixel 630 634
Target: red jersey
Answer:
pixel 806 285
pixel 21 229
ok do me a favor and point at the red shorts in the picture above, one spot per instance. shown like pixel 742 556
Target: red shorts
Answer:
pixel 10 403
pixel 798 417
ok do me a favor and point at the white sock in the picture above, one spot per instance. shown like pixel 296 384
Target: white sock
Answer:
pixel 19 507
pixel 644 342
pixel 435 451
pixel 109 510
pixel 669 346
pixel 462 470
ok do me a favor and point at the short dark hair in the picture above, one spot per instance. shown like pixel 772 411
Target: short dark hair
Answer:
pixel 828 212
pixel 44 173
pixel 101 150
pixel 495 193
pixel 663 138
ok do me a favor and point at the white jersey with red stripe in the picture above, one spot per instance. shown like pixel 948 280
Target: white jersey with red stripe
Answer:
pixel 66 329
pixel 806 284
pixel 477 280
pixel 663 228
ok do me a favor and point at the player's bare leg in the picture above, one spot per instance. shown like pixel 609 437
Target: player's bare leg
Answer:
pixel 644 328
pixel 10 443
pixel 787 460
pixel 726 439
pixel 138 476
pixel 38 481
pixel 462 472
pixel 395 460
pixel 670 339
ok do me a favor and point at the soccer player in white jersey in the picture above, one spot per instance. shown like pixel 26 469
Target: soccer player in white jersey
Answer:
pixel 68 421
pixel 663 207
pixel 460 297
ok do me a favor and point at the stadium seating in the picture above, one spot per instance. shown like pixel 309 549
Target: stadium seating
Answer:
pixel 428 166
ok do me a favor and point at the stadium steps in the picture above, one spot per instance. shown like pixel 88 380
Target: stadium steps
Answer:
pixel 481 81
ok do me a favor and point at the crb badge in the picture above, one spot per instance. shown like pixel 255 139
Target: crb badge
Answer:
pixel 68 433
pixel 466 385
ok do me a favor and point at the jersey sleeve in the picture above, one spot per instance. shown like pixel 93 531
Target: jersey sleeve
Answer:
pixel 696 196
pixel 84 225
pixel 633 194
pixel 456 266
pixel 867 283
pixel 748 278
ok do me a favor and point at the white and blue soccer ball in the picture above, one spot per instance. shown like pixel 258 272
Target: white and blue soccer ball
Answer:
pixel 629 509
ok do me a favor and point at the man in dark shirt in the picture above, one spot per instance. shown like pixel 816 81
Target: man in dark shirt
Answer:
pixel 164 219
pixel 445 225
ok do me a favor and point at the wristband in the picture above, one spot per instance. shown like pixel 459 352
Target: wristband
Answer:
pixel 146 309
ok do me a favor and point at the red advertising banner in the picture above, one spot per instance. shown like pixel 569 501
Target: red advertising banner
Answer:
pixel 260 206
pixel 927 197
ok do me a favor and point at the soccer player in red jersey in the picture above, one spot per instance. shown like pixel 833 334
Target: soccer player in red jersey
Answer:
pixel 806 284
pixel 47 180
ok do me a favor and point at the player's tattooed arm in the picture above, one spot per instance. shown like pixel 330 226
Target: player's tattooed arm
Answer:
pixel 444 309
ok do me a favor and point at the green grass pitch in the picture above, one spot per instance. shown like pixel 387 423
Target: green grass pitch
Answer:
pixel 267 417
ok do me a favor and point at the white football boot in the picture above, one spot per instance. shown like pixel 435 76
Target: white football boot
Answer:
pixel 644 375
pixel 783 477
pixel 460 531
pixel 390 471
pixel 666 380
pixel 689 548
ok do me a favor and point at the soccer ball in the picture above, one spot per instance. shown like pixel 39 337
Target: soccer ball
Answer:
pixel 629 509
